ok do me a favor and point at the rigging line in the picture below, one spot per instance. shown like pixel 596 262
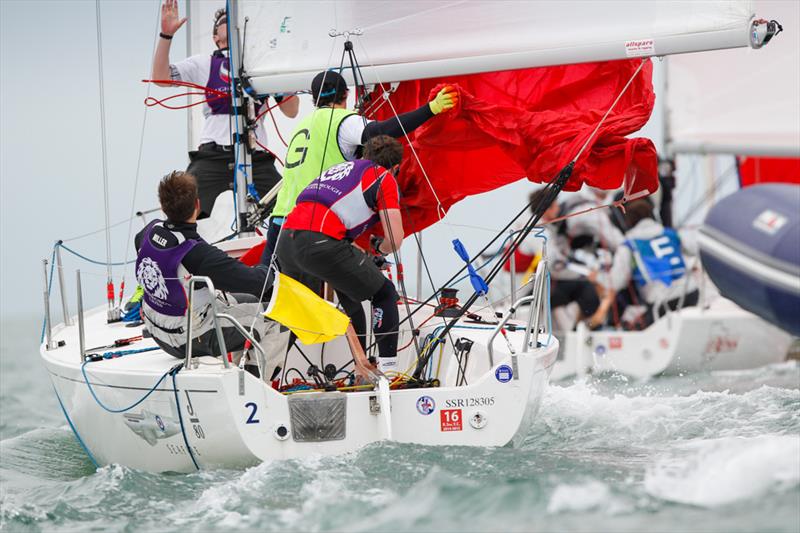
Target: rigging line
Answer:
pixel 95 232
pixel 272 266
pixel 421 305
pixel 553 188
pixel 439 208
pixel 137 175
pixel 608 112
pixel 103 140
pixel 395 248
pixel 710 192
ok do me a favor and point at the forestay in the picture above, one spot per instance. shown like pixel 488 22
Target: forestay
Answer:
pixel 288 41
pixel 742 102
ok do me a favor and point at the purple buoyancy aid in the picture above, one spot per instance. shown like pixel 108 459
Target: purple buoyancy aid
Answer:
pixel 160 273
pixel 219 79
pixel 339 189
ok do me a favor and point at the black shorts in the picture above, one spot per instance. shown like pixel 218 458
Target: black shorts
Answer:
pixel 214 172
pixel 306 255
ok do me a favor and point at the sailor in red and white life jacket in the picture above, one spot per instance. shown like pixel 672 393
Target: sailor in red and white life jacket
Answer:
pixel 168 252
pixel 213 161
pixel 651 256
pixel 316 242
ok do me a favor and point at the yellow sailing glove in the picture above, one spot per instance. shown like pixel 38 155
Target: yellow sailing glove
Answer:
pixel 446 99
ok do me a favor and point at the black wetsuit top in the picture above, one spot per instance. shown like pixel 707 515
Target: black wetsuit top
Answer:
pixel 227 273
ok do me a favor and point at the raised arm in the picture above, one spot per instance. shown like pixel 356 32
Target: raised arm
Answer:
pixel 170 24
pixel 395 127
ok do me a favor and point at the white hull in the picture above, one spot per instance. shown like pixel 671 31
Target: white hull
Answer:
pixel 232 419
pixel 720 337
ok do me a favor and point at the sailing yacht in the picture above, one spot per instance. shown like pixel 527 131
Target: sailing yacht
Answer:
pixel 473 378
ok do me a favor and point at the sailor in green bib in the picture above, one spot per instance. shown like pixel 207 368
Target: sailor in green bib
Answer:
pixel 333 134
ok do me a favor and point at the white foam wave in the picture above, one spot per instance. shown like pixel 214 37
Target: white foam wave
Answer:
pixel 714 472
pixel 588 496
pixel 579 413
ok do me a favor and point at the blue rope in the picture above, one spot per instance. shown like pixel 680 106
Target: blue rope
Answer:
pixel 174 372
pixel 75 431
pixel 94 262
pixel 143 398
pixel 120 353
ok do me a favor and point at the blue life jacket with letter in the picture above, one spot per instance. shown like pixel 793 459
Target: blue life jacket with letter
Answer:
pixel 657 259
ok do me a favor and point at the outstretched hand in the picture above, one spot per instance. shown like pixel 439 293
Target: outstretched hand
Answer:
pixel 171 20
pixel 446 99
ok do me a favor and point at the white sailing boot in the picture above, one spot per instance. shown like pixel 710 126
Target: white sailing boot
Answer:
pixel 388 366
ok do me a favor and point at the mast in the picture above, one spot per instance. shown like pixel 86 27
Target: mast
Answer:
pixel 243 168
pixel 113 314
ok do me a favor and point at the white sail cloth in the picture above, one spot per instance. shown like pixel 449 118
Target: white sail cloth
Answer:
pixel 745 102
pixel 287 41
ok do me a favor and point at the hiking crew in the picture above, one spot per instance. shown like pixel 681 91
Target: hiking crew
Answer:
pixel 332 211
pixel 168 252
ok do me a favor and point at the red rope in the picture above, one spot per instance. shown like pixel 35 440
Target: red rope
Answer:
pixel 179 83
pixel 277 129
pixel 278 159
pixel 209 93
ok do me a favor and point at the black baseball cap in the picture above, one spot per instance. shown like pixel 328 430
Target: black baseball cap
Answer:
pixel 334 85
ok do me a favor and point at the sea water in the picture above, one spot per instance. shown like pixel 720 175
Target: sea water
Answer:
pixel 708 452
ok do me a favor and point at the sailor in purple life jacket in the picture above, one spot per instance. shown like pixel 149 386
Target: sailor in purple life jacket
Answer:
pixel 316 241
pixel 651 256
pixel 169 252
pixel 212 163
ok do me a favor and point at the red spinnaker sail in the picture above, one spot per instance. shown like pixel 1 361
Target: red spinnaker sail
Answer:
pixel 525 123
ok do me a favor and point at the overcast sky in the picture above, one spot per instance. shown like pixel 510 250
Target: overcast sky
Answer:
pixel 50 152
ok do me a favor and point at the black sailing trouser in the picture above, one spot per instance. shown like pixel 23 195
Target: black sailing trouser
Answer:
pixel 213 169
pixel 564 291
pixel 309 256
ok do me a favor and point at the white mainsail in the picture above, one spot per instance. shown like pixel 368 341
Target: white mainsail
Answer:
pixel 744 102
pixel 288 42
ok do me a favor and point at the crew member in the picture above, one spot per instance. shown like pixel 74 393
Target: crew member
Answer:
pixel 332 134
pixel 213 161
pixel 170 250
pixel 332 211
pixel 651 256
pixel 571 282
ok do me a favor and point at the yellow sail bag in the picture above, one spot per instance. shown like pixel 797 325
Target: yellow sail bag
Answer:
pixel 300 309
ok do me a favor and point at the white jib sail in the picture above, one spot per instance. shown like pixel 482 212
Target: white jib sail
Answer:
pixel 744 102
pixel 288 41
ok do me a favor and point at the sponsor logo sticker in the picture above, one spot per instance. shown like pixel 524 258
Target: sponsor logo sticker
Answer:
pixel 504 374
pixel 640 47
pixel 451 419
pixel 769 221
pixel 425 405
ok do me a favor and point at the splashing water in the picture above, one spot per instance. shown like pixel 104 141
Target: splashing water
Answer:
pixel 604 454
